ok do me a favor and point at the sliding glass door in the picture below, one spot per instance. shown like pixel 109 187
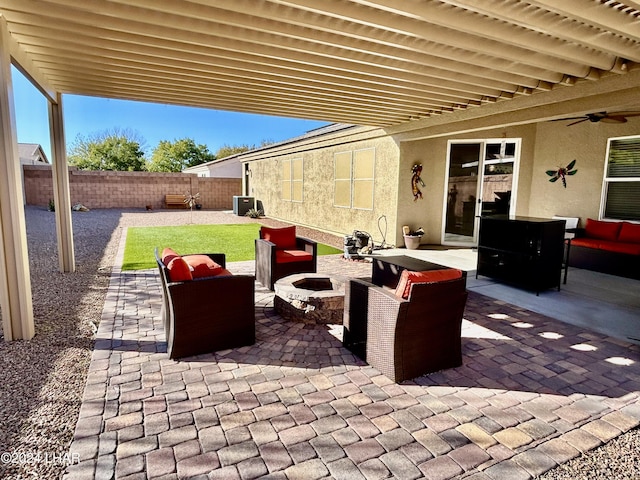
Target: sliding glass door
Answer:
pixel 480 181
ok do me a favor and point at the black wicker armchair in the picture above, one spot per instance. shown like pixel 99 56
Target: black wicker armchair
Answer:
pixel 280 253
pixel 406 338
pixel 207 314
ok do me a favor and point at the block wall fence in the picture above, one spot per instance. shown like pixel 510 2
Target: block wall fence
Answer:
pixel 98 189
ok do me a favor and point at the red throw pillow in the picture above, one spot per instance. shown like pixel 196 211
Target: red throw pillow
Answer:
pixel 602 230
pixel 284 238
pixel 167 255
pixel 179 270
pixel 202 266
pixel 408 278
pixel 629 232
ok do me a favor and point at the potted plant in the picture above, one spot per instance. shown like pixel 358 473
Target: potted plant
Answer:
pixel 412 237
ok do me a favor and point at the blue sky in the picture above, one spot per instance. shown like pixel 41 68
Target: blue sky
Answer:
pixel 151 122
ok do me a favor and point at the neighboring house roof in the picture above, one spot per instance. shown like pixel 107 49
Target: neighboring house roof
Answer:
pixel 32 154
pixel 311 134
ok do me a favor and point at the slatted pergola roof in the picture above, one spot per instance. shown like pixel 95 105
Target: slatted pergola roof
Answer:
pixel 368 62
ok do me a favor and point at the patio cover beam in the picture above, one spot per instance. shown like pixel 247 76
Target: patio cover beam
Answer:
pixel 15 283
pixel 61 189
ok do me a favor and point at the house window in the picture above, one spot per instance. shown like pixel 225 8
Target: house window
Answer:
pixel 292 179
pixel 621 186
pixel 342 179
pixel 354 179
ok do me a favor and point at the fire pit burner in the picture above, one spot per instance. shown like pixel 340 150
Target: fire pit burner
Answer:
pixel 310 298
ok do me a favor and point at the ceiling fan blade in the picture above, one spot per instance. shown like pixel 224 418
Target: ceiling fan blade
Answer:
pixel 614 119
pixel 625 114
pixel 568 118
pixel 575 123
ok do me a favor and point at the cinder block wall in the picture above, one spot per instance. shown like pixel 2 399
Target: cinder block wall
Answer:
pixel 129 189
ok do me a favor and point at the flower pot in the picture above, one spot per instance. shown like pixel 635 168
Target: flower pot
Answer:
pixel 412 242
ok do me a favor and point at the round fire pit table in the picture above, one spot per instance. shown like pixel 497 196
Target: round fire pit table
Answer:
pixel 310 298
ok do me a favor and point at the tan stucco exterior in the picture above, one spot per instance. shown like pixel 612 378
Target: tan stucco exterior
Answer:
pixel 543 146
pixel 317 207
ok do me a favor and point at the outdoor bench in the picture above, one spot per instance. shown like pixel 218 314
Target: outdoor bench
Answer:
pixel 175 200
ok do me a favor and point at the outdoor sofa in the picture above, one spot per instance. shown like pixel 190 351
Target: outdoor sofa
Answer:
pixel 607 247
pixel 205 307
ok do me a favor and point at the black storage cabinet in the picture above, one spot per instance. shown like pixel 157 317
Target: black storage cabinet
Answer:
pixel 523 251
pixel 241 205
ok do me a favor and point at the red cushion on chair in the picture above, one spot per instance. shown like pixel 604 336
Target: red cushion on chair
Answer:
pixel 408 278
pixel 629 232
pixel 288 256
pixel 167 255
pixel 284 238
pixel 202 266
pixel 602 230
pixel 179 270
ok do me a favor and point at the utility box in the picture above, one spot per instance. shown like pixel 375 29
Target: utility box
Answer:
pixel 241 205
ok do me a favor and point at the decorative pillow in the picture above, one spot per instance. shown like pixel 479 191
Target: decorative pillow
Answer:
pixel 202 266
pixel 284 238
pixel 602 230
pixel 179 270
pixel 629 232
pixel 167 255
pixel 408 278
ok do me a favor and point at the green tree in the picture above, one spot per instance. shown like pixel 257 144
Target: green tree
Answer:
pixel 110 150
pixel 177 155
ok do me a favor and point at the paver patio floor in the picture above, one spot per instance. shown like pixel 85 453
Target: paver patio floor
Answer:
pixel 532 393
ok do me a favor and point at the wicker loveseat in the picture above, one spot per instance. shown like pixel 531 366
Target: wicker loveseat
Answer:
pixel 406 337
pixel 280 253
pixel 213 310
pixel 607 247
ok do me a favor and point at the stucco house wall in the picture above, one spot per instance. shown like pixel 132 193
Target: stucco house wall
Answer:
pixel 317 208
pixel 543 146
pixel 558 145
pixel 432 154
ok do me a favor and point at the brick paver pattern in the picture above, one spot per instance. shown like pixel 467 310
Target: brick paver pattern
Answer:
pixel 532 393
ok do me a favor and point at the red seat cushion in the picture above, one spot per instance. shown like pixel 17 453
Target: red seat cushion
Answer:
pixel 202 266
pixel 284 238
pixel 408 278
pixel 602 230
pixel 288 256
pixel 167 255
pixel 179 270
pixel 629 232
pixel 586 242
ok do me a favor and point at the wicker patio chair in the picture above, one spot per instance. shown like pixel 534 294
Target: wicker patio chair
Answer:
pixel 401 338
pixel 280 253
pixel 207 314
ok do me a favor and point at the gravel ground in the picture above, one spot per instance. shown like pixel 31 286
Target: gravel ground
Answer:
pixel 42 380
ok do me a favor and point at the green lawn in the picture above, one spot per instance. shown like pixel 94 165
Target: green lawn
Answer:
pixel 236 241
